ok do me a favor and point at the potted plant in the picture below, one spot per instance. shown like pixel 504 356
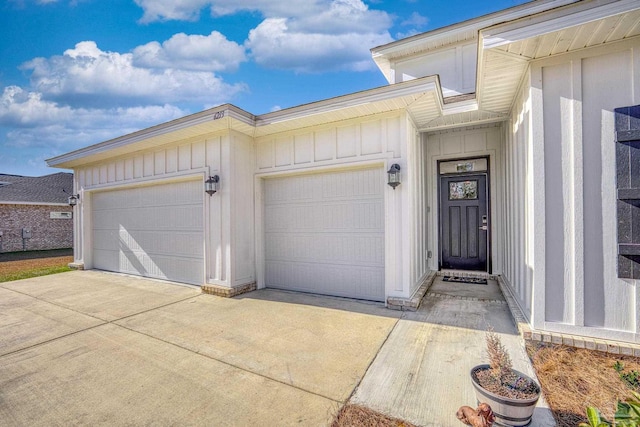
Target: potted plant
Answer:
pixel 511 394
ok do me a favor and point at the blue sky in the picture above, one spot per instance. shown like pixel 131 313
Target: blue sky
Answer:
pixel 77 72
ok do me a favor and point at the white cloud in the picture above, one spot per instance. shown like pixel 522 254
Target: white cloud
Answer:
pixel 415 20
pixel 87 75
pixel 312 16
pixel 274 45
pixel 189 10
pixel 37 122
pixel 191 52
pixel 37 129
pixel 163 10
pixel 343 17
pixel 308 36
pixel 336 38
pixel 21 108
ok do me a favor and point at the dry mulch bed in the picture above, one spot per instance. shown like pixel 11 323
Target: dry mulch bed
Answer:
pixel 360 416
pixel 574 378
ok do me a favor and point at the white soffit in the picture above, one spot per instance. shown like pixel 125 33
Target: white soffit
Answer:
pixel 499 76
pixel 594 33
pixel 477 117
pixel 611 20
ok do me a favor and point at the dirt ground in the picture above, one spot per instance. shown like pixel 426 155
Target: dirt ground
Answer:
pixel 14 262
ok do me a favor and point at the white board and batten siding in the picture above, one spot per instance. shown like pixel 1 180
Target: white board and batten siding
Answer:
pixel 564 274
pixel 324 233
pixel 349 141
pixel 152 231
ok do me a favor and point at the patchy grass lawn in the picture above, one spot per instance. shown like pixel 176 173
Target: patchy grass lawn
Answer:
pixel 23 265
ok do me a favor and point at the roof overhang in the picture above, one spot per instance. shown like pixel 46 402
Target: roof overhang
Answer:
pixel 551 21
pixel 423 97
pixel 506 49
pixel 386 54
pixel 205 122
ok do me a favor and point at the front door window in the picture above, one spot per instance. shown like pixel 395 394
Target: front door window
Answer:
pixel 463 190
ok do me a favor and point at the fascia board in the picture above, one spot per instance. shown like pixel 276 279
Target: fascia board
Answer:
pixel 554 20
pixel 229 111
pixel 398 90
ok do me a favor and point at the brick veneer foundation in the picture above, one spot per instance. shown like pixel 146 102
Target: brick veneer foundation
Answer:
pixel 223 291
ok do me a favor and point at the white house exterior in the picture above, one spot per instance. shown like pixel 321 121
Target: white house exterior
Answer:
pixel 503 127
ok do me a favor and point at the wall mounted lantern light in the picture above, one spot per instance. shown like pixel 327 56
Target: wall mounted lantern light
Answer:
pixel 393 176
pixel 212 185
pixel 73 199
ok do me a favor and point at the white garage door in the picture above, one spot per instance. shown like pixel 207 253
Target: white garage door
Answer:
pixel 324 233
pixel 154 231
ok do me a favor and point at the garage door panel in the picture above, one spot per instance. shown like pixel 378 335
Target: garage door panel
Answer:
pixel 324 233
pixel 159 266
pixel 348 185
pixel 353 216
pixel 337 249
pixel 347 216
pixel 154 231
pixel 162 243
pixel 328 279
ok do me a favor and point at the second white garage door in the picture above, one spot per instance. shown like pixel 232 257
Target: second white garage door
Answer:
pixel 154 231
pixel 324 233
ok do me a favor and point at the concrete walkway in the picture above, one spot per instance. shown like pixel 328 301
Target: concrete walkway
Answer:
pixel 422 372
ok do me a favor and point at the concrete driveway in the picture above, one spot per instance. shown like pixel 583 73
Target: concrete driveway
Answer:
pixel 94 348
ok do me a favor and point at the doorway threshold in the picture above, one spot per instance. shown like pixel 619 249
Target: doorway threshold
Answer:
pixel 467 273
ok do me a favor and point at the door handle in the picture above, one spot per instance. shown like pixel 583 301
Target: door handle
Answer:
pixel 484 227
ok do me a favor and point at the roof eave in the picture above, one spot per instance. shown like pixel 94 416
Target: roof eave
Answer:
pixel 424 84
pixel 550 21
pixel 395 49
pixel 228 110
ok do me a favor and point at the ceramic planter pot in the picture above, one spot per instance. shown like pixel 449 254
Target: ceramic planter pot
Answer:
pixel 508 412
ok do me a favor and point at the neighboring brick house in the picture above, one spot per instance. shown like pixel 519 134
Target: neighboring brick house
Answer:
pixel 34 212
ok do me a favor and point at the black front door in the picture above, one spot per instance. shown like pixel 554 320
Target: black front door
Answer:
pixel 464 222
